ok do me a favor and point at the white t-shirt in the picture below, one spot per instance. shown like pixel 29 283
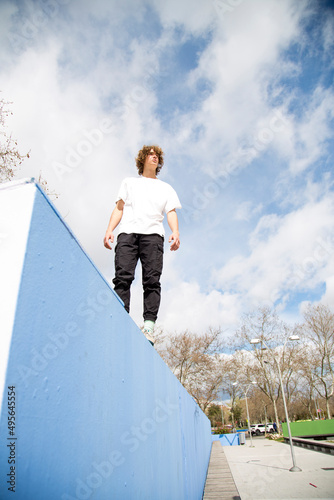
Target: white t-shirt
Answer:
pixel 145 202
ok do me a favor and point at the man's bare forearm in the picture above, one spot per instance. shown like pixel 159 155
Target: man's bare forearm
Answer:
pixel 174 226
pixel 115 219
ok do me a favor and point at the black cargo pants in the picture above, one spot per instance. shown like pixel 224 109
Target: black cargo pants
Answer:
pixel 149 249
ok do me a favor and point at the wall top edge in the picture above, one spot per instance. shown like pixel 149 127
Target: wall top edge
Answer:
pixel 19 182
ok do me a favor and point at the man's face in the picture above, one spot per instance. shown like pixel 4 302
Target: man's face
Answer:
pixel 152 159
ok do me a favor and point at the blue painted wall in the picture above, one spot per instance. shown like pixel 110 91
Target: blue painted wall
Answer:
pixel 227 439
pixel 98 413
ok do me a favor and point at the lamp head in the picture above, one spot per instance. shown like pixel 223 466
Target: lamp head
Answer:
pixel 255 341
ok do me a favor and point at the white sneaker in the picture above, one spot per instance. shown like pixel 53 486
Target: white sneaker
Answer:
pixel 148 335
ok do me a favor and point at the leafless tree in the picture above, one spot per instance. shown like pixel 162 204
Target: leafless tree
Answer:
pixel 10 157
pixel 318 331
pixel 265 325
pixel 195 361
pixel 306 367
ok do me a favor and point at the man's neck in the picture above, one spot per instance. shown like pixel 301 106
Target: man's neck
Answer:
pixel 149 175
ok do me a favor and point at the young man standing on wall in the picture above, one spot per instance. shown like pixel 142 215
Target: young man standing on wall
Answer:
pixel 139 212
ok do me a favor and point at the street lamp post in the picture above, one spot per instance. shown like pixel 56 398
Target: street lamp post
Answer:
pixel 245 392
pixel 294 468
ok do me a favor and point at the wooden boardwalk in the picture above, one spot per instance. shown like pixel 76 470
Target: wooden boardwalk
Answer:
pixel 219 482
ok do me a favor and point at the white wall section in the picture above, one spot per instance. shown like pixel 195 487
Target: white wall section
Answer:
pixel 16 205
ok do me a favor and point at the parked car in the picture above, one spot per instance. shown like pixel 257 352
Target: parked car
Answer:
pixel 259 429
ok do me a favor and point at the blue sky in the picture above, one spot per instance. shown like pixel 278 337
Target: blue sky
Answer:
pixel 238 93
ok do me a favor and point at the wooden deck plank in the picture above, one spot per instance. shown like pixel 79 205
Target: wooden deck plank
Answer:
pixel 219 481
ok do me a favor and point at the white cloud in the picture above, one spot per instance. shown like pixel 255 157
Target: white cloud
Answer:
pixel 328 297
pixel 239 63
pixel 287 253
pixel 185 307
pixel 193 18
pixel 313 130
pixel 246 211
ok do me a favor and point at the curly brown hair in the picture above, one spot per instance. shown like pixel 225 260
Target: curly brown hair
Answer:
pixel 142 154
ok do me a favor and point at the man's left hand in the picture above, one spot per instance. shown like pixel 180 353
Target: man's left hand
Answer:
pixel 175 240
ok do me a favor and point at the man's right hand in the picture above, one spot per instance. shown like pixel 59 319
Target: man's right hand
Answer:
pixel 108 239
pixel 115 219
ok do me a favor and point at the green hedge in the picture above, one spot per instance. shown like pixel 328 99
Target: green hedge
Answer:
pixel 309 428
